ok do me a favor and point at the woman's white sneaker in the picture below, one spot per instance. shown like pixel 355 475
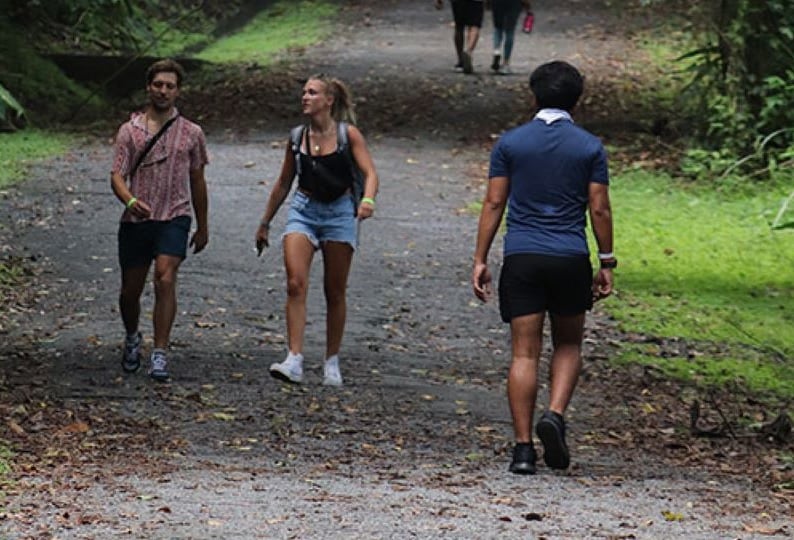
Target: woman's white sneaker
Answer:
pixel 290 370
pixel 333 377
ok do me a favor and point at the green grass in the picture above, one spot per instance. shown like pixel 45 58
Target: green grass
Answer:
pixel 283 26
pixel 5 460
pixel 704 265
pixel 18 150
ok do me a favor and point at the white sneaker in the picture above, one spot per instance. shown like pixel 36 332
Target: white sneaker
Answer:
pixel 290 370
pixel 159 367
pixel 333 377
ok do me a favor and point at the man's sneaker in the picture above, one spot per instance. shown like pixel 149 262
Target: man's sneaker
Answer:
pixel 158 370
pixel 290 370
pixel 495 64
pixel 333 377
pixel 458 68
pixel 465 59
pixel 524 458
pixel 551 431
pixel 131 359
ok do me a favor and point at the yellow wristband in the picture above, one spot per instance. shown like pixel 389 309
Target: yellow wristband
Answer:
pixel 368 200
pixel 131 202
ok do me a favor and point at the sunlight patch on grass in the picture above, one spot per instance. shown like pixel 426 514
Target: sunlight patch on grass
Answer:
pixel 703 265
pixel 283 26
pixel 20 149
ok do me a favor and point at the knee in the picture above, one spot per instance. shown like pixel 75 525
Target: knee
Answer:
pixel 296 286
pixel 164 281
pixel 335 295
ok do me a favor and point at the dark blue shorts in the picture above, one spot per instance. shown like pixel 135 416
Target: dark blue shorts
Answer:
pixel 531 283
pixel 140 243
pixel 467 13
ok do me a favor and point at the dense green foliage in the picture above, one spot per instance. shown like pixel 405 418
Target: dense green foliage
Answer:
pixel 742 82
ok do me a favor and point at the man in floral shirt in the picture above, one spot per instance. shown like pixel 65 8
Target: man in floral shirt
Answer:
pixel 157 188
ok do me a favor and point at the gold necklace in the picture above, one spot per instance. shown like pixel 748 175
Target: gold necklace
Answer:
pixel 320 135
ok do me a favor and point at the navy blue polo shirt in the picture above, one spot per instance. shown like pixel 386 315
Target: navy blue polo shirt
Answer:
pixel 550 167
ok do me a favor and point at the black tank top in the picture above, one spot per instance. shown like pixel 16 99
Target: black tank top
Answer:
pixel 327 177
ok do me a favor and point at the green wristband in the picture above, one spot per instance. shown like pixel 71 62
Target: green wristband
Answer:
pixel 131 202
pixel 368 200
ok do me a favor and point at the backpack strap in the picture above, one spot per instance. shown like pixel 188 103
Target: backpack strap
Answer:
pixel 295 137
pixel 343 147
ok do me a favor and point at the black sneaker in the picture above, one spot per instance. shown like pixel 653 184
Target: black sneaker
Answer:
pixel 465 59
pixel 551 431
pixel 131 360
pixel 458 68
pixel 524 458
pixel 497 58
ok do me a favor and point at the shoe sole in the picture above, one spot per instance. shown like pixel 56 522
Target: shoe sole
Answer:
pixel 276 374
pixel 160 377
pixel 522 468
pixel 555 452
pixel 331 382
pixel 128 368
pixel 467 67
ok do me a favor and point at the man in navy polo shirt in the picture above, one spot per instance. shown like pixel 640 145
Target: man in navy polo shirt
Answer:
pixel 548 173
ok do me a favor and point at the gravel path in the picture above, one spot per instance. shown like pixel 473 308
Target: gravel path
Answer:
pixel 415 445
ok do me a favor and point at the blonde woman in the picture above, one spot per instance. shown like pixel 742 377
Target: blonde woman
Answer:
pixel 324 213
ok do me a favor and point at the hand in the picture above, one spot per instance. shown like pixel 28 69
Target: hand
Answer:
pixel 602 284
pixel 261 238
pixel 199 240
pixel 439 4
pixel 365 210
pixel 481 281
pixel 140 209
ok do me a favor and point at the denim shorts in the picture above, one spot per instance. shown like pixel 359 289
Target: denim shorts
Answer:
pixel 141 242
pixel 334 221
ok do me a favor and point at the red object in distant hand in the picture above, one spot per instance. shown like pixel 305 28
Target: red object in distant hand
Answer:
pixel 529 22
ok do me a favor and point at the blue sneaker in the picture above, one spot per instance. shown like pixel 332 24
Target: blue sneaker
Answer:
pixel 131 359
pixel 159 367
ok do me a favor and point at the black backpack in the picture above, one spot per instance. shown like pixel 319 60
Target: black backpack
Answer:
pixel 342 147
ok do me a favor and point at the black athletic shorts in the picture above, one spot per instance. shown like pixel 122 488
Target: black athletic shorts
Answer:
pixel 531 283
pixel 468 12
pixel 140 243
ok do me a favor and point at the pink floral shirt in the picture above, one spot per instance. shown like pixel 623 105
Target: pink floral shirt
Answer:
pixel 163 177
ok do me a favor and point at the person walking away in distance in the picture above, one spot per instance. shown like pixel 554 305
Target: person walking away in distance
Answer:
pixel 157 184
pixel 549 172
pixel 322 216
pixel 468 16
pixel 505 17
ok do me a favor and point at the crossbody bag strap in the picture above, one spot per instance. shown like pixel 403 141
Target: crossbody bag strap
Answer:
pixel 151 144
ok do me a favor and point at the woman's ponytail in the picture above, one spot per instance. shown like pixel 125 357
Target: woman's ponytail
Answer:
pixel 342 110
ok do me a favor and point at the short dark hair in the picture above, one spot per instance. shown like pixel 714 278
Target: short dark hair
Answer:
pixel 167 65
pixel 556 85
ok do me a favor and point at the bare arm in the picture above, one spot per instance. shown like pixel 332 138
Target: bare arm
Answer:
pixel 198 195
pixel 276 199
pixel 135 206
pixel 358 147
pixel 493 207
pixel 601 222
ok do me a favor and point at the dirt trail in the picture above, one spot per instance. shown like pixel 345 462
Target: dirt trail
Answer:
pixel 415 445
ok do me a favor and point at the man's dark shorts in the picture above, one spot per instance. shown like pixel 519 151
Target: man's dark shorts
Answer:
pixel 140 243
pixel 531 283
pixel 467 13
